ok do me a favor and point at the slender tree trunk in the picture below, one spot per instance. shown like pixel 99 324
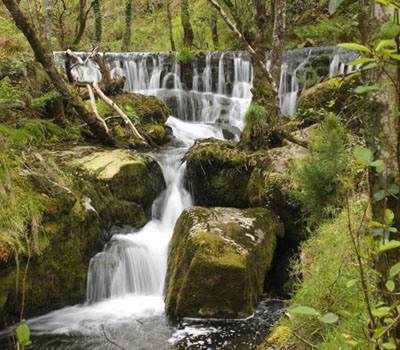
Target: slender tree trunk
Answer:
pixel 188 35
pixel 82 19
pixel 47 61
pixel 260 20
pixel 214 30
pixel 46 24
pixel 126 40
pixel 97 21
pixel 278 39
pixel 171 34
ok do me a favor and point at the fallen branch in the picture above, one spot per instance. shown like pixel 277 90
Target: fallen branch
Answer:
pixel 118 110
pixel 94 107
pixel 109 340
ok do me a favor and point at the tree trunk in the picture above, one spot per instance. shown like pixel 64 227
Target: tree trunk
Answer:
pixel 47 61
pixel 278 39
pixel 82 19
pixel 46 22
pixel 97 21
pixel 126 40
pixel 260 20
pixel 214 30
pixel 171 34
pixel 188 35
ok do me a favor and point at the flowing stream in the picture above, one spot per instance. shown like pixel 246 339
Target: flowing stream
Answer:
pixel 125 285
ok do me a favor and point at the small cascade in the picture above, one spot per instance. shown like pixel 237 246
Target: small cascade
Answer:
pixel 135 264
pixel 215 86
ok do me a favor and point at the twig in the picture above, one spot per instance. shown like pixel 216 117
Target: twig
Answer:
pixel 118 110
pixel 94 107
pixel 23 284
pixel 305 341
pixel 109 340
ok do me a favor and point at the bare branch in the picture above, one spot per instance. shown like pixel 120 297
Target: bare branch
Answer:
pixel 94 107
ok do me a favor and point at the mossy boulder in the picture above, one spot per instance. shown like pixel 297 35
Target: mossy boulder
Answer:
pixel 147 113
pixel 333 95
pixel 218 260
pixel 219 173
pixel 85 191
pixel 129 176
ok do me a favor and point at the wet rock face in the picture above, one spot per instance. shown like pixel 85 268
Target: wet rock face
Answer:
pixel 110 187
pixel 218 173
pixel 218 259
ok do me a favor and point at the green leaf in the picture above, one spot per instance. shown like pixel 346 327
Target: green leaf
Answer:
pixel 388 3
pixel 379 331
pixel 23 334
pixel 396 114
pixel 381 312
pixel 366 88
pixel 359 61
pixel 363 154
pixel 389 216
pixel 383 43
pixel 393 189
pixel 390 285
pixel 357 344
pixel 375 223
pixel 394 270
pixel 390 30
pixel 329 318
pixel 379 165
pixel 378 196
pixel 393 244
pixel 304 310
pixel 369 66
pixel 395 56
pixel 354 46
pixel 389 346
pixel 351 283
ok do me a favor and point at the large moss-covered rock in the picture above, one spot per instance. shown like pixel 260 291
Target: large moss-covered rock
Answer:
pixel 333 95
pixel 218 259
pixel 88 191
pixel 129 176
pixel 218 172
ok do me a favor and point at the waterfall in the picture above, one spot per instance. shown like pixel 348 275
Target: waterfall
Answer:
pixel 218 88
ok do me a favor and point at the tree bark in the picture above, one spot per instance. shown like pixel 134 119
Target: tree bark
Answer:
pixel 171 34
pixel 278 39
pixel 82 20
pixel 46 27
pixel 126 40
pixel 260 20
pixel 188 35
pixel 47 61
pixel 214 30
pixel 97 21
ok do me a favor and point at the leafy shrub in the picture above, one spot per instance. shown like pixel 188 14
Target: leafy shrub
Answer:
pixel 318 175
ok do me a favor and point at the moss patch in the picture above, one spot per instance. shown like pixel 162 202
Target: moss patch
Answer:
pixel 218 259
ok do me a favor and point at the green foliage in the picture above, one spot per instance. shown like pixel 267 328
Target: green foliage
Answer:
pixel 8 94
pixel 23 335
pixel 334 5
pixel 318 175
pixel 326 264
pixel 256 131
pixel 186 55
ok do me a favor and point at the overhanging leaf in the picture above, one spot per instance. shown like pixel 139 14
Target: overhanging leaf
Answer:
pixel 354 46
pixel 329 318
pixel 390 285
pixel 390 30
pixel 366 88
pixel 394 270
pixel 334 5
pixel 23 334
pixel 393 244
pixel 363 154
pixel 304 310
